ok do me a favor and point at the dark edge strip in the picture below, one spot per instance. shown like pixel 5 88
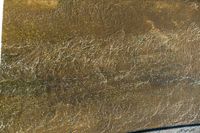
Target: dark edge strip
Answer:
pixel 165 128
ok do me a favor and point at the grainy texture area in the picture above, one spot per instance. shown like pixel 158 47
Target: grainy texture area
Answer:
pixel 105 66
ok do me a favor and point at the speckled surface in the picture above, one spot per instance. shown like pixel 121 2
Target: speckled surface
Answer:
pixel 105 66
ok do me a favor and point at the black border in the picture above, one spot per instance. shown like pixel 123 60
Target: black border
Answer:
pixel 165 128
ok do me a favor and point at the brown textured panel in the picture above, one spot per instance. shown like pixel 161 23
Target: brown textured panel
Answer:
pixel 102 66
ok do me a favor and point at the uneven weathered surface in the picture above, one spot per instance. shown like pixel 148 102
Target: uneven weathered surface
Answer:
pixel 99 65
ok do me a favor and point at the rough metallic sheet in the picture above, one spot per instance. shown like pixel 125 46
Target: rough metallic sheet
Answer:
pixel 99 66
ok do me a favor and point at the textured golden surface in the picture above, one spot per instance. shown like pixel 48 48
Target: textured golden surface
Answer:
pixel 101 66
